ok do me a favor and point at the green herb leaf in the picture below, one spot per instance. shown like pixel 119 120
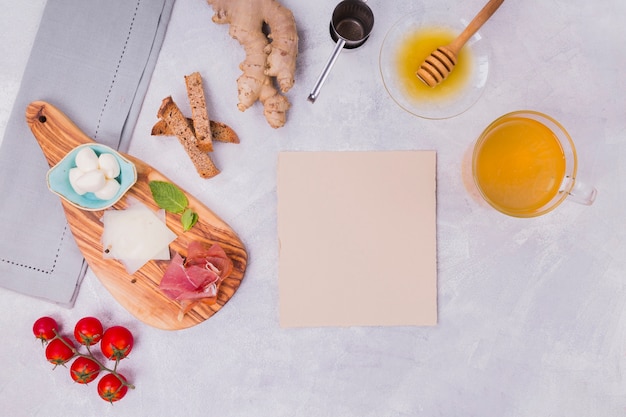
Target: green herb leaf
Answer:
pixel 168 196
pixel 189 219
pixel 172 199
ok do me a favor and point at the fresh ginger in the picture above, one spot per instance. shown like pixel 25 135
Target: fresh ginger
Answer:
pixel 269 59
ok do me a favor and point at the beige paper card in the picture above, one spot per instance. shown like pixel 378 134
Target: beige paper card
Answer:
pixel 357 236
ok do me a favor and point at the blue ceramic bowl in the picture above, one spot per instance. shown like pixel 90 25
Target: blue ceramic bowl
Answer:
pixel 58 179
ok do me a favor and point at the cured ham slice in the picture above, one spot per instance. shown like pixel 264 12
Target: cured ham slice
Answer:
pixel 197 277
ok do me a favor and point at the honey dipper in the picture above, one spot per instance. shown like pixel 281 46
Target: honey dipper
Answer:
pixel 441 61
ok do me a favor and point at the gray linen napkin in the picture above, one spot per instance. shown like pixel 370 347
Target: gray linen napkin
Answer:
pixel 93 60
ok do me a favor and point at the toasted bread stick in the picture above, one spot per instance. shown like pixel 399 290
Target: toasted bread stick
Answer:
pixel 220 132
pixel 199 112
pixel 178 124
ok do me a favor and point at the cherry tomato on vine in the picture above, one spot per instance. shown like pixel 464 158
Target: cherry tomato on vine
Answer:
pixel 84 370
pixel 58 352
pixel 44 328
pixel 88 331
pixel 116 342
pixel 111 388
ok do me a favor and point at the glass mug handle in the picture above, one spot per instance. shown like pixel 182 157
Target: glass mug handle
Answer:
pixel 579 192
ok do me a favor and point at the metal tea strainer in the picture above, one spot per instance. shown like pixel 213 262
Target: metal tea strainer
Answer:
pixel 350 26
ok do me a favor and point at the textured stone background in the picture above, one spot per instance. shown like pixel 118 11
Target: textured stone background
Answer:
pixel 531 311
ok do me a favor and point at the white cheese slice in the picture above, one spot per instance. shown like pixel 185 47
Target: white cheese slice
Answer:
pixel 135 235
pixel 165 252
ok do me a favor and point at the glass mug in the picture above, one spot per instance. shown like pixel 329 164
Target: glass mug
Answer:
pixel 524 165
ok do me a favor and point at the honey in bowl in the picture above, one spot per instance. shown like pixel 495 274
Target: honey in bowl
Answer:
pixel 415 48
pixel 519 165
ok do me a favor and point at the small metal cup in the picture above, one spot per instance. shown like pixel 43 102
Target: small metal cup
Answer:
pixel 350 27
pixel 352 21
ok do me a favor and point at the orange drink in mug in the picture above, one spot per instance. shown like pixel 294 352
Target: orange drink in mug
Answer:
pixel 524 164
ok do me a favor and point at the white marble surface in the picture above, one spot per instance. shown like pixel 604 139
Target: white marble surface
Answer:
pixel 531 312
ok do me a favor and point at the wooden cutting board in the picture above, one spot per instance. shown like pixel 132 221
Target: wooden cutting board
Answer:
pixel 138 293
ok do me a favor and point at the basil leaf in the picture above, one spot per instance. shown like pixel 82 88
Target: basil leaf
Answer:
pixel 189 219
pixel 168 196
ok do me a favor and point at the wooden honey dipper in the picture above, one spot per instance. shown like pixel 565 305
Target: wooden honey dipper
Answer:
pixel 441 61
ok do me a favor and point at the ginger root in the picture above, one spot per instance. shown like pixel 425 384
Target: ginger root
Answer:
pixel 269 59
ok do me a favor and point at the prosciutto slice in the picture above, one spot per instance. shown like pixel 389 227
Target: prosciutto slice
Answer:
pixel 198 276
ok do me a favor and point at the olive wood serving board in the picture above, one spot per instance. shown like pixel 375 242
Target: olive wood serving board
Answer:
pixel 139 293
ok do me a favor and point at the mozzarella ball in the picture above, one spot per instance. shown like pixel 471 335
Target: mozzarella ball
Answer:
pixel 86 159
pixel 74 174
pixel 108 163
pixel 91 181
pixel 109 190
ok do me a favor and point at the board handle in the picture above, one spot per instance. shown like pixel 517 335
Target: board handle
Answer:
pixel 50 125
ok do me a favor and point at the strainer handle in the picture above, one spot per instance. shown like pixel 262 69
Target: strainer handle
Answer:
pixel 322 78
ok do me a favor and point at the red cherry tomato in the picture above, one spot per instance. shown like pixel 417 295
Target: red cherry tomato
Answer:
pixel 44 328
pixel 88 331
pixel 111 388
pixel 116 342
pixel 84 370
pixel 58 352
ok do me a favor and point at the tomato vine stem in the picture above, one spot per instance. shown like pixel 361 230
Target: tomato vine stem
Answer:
pixel 90 355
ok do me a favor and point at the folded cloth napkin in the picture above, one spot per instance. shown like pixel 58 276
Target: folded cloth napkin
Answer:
pixel 93 60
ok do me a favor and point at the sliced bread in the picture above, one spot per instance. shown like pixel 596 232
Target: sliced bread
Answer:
pixel 178 124
pixel 199 112
pixel 220 132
